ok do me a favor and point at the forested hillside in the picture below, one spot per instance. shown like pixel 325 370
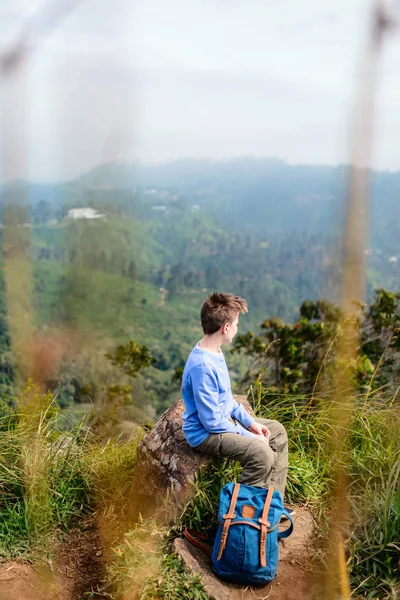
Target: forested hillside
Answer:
pixel 165 236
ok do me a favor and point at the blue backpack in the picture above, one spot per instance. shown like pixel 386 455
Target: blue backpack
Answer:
pixel 245 548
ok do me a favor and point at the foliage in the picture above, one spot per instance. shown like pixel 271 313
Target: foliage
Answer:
pixel 111 469
pixel 49 478
pixel 374 545
pixel 259 228
pixel 116 397
pixel 43 479
pixel 131 358
pixel 381 337
pixel 175 583
pixel 111 313
pixel 82 474
pixel 374 542
pixel 295 358
pixel 6 356
pixel 137 558
pixel 142 273
pixel 374 456
pixel 204 495
pixel 143 568
pixel 373 471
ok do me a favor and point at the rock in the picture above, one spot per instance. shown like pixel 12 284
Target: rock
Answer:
pixel 198 563
pixel 166 462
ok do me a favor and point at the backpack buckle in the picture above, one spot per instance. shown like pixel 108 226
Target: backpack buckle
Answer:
pixel 229 516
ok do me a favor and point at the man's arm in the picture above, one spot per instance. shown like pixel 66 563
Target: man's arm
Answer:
pixel 240 414
pixel 205 392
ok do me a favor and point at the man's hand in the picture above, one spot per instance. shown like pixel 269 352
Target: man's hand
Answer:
pixel 260 437
pixel 259 430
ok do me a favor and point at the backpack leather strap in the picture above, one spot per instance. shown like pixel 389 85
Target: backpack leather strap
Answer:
pixel 288 531
pixel 192 536
pixel 264 526
pixel 228 519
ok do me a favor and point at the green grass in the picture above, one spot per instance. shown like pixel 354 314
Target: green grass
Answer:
pixel 111 467
pixel 202 506
pixel 43 479
pixel 174 582
pixel 143 567
pixel 374 545
pixel 373 468
pixel 49 479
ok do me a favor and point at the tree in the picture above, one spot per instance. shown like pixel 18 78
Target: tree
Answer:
pixel 131 358
pixel 289 358
pixel 381 337
pixel 6 360
pixel 132 270
pixel 42 212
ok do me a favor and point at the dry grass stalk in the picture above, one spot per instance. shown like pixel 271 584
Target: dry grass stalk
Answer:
pixel 353 286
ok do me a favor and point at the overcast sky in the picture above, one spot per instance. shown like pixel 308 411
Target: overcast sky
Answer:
pixel 158 80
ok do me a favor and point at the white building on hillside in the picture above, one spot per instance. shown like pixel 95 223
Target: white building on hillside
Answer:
pixel 84 213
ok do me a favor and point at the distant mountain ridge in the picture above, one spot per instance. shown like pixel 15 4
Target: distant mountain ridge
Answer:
pixel 262 193
pixel 266 196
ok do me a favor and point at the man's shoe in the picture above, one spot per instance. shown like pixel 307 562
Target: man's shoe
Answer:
pixel 291 512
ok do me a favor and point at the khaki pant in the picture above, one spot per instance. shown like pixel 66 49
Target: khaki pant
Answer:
pixel 264 464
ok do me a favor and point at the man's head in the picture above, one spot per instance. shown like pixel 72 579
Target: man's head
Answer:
pixel 220 313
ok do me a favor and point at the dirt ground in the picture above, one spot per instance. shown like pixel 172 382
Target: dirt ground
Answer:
pixel 77 572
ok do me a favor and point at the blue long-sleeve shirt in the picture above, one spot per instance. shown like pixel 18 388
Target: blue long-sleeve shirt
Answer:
pixel 209 404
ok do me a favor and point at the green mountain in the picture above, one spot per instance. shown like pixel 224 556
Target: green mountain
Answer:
pixel 168 235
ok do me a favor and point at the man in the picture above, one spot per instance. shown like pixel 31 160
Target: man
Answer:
pixel 213 422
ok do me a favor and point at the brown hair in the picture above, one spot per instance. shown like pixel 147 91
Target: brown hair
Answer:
pixel 219 309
